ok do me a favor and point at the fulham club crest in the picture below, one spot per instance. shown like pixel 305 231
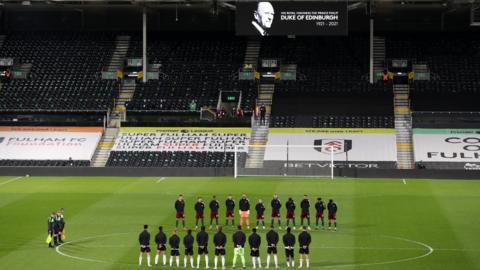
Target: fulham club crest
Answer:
pixel 337 145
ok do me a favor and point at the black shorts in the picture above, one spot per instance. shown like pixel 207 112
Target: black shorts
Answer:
pixel 145 249
pixel 255 253
pixel 272 250
pixel 161 247
pixel 304 250
pixel 175 252
pixel 189 251
pixel 289 253
pixel 202 250
pixel 219 252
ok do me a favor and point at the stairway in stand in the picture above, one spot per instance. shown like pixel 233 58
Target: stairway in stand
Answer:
pixel 403 126
pixel 259 136
pixel 117 115
pixel 378 54
pixel 104 147
pixel 127 88
pixel 252 52
pixel 122 43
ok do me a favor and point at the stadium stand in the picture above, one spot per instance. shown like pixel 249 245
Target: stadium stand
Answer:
pixel 454 62
pixel 65 72
pixel 445 111
pixel 193 69
pixel 331 89
pixel 163 147
pixel 170 159
pixel 44 163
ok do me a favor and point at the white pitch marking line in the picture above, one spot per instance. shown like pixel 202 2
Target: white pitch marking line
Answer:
pixel 11 180
pixel 404 182
pixel 160 180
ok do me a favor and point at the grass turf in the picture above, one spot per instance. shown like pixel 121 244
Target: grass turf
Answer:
pixel 383 224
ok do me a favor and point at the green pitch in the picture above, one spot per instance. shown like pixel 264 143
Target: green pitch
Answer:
pixel 382 224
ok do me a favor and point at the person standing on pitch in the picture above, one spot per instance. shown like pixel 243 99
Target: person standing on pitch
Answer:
pixel 304 240
pixel 272 241
pixel 219 241
pixel 161 241
pixel 244 205
pixel 230 206
pixel 61 224
pixel 319 208
pixel 305 205
pixel 202 242
pixel 290 205
pixel 188 241
pixel 239 239
pixel 144 240
pixel 260 208
pixel 51 225
pixel 254 241
pixel 56 229
pixel 289 244
pixel 332 214
pixel 199 209
pixel 276 205
pixel 174 242
pixel 180 208
pixel 214 206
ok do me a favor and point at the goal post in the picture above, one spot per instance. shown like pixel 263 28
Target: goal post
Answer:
pixel 284 160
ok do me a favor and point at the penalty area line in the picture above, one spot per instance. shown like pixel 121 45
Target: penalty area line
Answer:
pixel 160 180
pixel 11 180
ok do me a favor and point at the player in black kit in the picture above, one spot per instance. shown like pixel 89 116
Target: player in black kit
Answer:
pixel 319 208
pixel 332 214
pixel 254 241
pixel 289 243
pixel 161 241
pixel 188 241
pixel 260 209
pixel 180 208
pixel 230 207
pixel 214 206
pixel 219 241
pixel 144 240
pixel 276 205
pixel 174 242
pixel 290 205
pixel 305 206
pixel 272 241
pixel 304 240
pixel 199 210
pixel 202 242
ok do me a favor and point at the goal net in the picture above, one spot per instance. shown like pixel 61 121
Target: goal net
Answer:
pixel 285 160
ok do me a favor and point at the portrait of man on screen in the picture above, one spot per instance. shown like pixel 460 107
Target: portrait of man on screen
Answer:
pixel 263 18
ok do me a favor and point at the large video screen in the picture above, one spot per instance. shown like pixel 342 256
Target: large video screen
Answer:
pixel 291 18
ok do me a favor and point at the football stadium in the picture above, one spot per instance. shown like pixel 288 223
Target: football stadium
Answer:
pixel 245 134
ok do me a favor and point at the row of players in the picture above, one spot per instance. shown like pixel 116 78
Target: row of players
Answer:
pixel 239 240
pixel 244 211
